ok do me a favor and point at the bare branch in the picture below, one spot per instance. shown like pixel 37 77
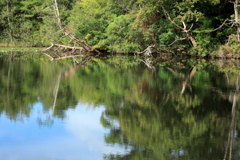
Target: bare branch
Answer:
pixel 179 39
pixel 170 19
pixel 229 38
pixel 147 51
pixel 219 26
pixel 184 25
pixel 52 45
pixel 190 28
pixel 63 46
pixel 68 47
pixel 183 29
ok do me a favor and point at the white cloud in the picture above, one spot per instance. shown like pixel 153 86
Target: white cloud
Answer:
pixel 85 124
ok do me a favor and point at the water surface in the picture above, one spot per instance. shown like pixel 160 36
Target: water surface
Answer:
pixel 119 108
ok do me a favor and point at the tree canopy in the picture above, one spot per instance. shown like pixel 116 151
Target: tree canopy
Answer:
pixel 123 26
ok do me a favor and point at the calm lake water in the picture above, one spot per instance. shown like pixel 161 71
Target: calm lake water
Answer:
pixel 119 108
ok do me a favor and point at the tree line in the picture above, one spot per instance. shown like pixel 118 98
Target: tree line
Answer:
pixel 124 26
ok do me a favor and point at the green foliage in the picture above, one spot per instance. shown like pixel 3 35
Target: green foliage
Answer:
pixel 31 23
pixel 121 36
pixel 24 82
pixel 89 19
pixel 117 26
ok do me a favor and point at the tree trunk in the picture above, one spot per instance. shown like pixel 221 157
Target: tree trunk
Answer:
pixel 236 19
pixel 193 41
pixel 56 10
pixel 9 23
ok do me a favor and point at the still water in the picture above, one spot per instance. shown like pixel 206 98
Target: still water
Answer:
pixel 119 108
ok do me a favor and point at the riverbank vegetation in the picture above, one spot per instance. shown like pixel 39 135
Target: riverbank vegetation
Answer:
pixel 196 27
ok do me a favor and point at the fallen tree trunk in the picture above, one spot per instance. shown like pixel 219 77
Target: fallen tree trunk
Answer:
pixel 64 47
pixel 84 46
pixel 58 51
pixel 80 42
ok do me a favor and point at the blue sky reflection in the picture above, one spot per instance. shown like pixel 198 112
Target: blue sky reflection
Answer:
pixel 79 136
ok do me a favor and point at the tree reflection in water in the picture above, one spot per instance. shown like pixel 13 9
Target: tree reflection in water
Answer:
pixel 179 110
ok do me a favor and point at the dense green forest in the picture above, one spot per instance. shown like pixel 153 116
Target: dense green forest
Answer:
pixel 199 26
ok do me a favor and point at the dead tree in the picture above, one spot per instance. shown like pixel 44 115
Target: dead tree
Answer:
pixel 183 29
pixel 236 19
pixel 57 14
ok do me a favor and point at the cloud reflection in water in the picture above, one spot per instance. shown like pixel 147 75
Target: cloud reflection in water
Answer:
pixel 79 136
